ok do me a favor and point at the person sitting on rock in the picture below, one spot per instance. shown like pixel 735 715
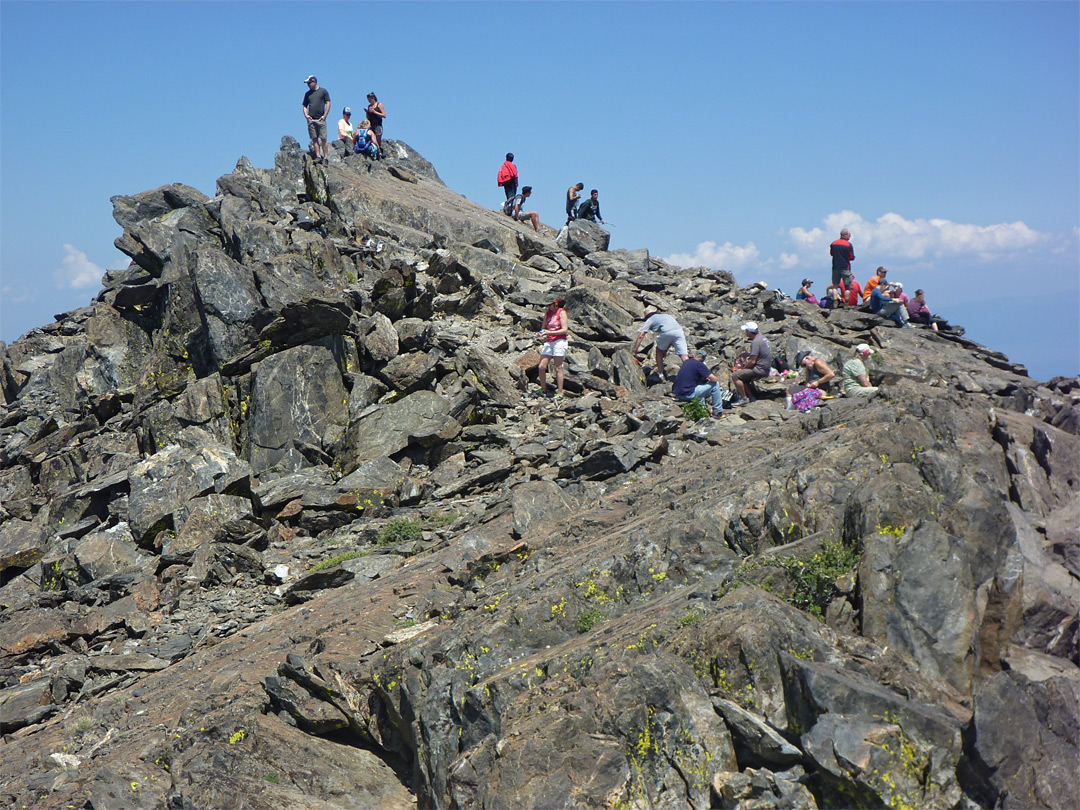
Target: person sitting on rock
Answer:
pixel 856 380
pixel 696 381
pixel 365 141
pixel 852 294
pixel 573 194
pixel 882 303
pixel 833 299
pixel 804 293
pixel 872 282
pixel 919 312
pixel 590 209
pixel 514 205
pixel 554 334
pixel 755 366
pixel 346 132
pixel 668 335
pixel 818 372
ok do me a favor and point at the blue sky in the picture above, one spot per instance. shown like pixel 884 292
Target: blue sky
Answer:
pixel 946 136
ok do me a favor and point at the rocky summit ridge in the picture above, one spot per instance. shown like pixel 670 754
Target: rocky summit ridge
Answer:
pixel 281 528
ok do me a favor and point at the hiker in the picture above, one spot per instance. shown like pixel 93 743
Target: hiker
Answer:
pixel 345 130
pixel 872 282
pixel 365 141
pixel 590 209
pixel 554 334
pixel 696 381
pixel 833 299
pixel 882 303
pixel 897 292
pixel 316 108
pixel 856 381
pixel 376 112
pixel 508 176
pixel 919 312
pixel 668 335
pixel 804 293
pixel 818 373
pixel 853 295
pixel 573 194
pixel 512 207
pixel 842 256
pixel 755 366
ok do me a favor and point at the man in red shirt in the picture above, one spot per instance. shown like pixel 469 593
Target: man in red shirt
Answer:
pixel 508 176
pixel 842 255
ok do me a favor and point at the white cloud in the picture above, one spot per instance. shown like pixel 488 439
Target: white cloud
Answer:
pixel 78 272
pixel 892 237
pixel 718 257
pixel 788 260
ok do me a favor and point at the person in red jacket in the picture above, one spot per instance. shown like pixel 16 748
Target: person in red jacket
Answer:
pixel 842 255
pixel 508 176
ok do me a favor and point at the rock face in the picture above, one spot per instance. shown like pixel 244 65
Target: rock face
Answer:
pixel 282 525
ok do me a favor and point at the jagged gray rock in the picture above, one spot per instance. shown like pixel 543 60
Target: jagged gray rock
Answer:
pixel 520 602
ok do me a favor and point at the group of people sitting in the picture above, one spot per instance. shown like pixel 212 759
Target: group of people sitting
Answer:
pixel 884 298
pixel 366 137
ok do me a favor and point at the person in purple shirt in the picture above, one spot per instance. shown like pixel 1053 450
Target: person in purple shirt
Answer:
pixel 695 381
pixel 919 312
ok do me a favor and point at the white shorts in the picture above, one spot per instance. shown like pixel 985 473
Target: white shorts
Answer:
pixel 554 348
pixel 676 341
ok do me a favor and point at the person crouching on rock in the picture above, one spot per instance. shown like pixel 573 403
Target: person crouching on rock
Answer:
pixel 590 209
pixel 695 381
pixel 669 335
pixel 818 373
pixel 555 336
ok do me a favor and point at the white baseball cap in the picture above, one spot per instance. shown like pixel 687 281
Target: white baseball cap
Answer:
pixel 862 348
pixel 749 326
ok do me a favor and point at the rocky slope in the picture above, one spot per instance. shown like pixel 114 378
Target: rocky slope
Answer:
pixel 280 528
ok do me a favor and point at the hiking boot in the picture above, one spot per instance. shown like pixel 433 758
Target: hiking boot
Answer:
pixel 740 402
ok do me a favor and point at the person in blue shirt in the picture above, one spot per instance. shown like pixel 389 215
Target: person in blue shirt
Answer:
pixel 694 380
pixel 881 303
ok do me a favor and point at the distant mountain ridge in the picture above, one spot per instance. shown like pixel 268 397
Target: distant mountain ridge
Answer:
pixel 284 524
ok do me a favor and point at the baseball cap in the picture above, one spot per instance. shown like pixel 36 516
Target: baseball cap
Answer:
pixel 898 285
pixel 749 326
pixel 863 348
pixel 311 79
pixel 807 282
pixel 347 111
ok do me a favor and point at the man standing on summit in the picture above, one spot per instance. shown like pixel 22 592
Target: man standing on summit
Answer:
pixel 842 256
pixel 316 108
pixel 507 177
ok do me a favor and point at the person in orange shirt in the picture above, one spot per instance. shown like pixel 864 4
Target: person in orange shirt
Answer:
pixel 873 282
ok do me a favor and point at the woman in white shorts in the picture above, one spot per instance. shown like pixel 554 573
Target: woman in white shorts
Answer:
pixel 554 334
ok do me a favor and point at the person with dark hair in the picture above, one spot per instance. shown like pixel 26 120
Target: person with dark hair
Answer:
pixel 508 176
pixel 376 112
pixel 884 304
pixel 696 381
pixel 818 372
pixel 514 205
pixel 919 312
pixel 573 194
pixel 555 336
pixel 590 209
pixel 843 254
pixel 873 281
pixel 316 108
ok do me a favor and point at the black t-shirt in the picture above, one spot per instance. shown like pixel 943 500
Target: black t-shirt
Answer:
pixel 375 119
pixel 590 210
pixel 316 101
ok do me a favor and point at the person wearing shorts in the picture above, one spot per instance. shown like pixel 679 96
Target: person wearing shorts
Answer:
pixel 376 112
pixel 669 335
pixel 555 336
pixel 316 108
pixel 757 365
pixel 517 205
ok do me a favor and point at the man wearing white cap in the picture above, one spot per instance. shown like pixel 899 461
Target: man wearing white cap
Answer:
pixel 856 381
pixel 756 366
pixel 316 108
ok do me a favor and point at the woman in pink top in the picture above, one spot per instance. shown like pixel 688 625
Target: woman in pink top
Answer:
pixel 554 334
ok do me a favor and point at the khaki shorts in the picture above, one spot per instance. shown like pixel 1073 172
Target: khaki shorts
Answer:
pixel 316 129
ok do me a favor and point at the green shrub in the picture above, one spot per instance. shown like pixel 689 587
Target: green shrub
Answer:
pixel 690 618
pixel 814 577
pixel 340 558
pixel 588 619
pixel 400 530
pixel 695 409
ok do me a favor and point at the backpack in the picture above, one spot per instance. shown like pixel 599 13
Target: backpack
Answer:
pixel 508 206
